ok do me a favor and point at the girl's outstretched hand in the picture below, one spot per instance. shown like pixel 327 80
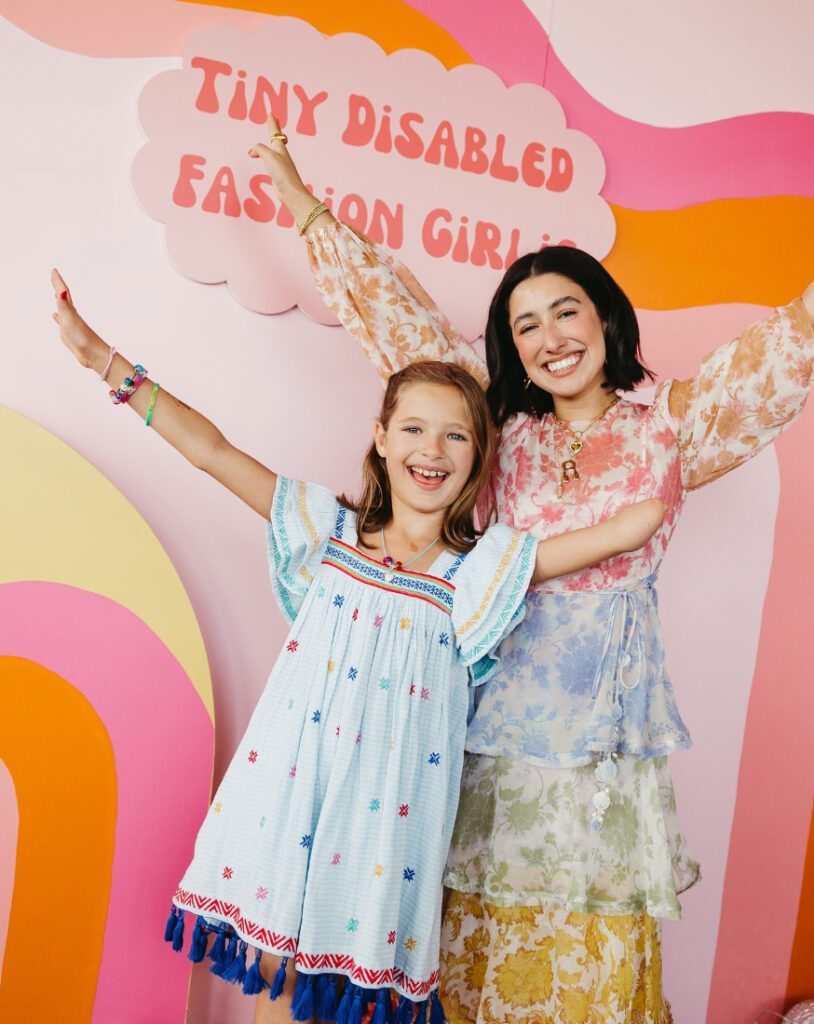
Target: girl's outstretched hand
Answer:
pixel 74 333
pixel 636 524
pixel 283 172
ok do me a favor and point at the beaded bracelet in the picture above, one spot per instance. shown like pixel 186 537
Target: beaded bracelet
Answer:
pixel 108 364
pixel 148 419
pixel 312 216
pixel 129 385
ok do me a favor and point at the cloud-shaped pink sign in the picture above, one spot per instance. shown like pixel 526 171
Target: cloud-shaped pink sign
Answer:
pixel 450 169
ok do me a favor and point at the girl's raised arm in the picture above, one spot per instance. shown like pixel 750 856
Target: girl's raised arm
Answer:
pixel 628 530
pixel 377 299
pixel 198 440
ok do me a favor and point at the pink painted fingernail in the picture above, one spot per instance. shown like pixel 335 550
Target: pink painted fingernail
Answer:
pixel 64 296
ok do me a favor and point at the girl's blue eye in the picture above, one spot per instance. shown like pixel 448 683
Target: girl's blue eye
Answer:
pixel 412 430
pixel 457 437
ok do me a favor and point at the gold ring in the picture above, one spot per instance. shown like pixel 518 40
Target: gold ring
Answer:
pixel 280 137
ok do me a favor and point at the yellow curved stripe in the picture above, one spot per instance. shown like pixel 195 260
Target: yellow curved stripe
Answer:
pixel 59 755
pixel 393 25
pixel 730 250
pixel 62 520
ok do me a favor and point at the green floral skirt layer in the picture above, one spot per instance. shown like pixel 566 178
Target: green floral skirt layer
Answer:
pixel 523 838
pixel 552 922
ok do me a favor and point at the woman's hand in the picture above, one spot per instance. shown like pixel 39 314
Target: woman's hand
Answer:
pixel 284 175
pixel 635 525
pixel 85 344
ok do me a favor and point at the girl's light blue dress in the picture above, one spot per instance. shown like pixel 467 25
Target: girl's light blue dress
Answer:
pixel 327 838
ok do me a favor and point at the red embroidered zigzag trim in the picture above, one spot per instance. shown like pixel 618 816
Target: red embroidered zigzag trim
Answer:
pixel 311 962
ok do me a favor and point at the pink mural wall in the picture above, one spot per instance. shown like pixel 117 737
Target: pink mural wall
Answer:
pixel 707 177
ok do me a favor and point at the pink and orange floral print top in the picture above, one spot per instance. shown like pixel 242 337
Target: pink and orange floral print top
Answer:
pixel 584 674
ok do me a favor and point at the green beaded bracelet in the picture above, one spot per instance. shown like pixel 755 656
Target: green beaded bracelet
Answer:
pixel 149 417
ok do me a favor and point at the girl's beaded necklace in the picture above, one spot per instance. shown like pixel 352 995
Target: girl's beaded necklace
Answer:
pixel 398 566
pixel 568 467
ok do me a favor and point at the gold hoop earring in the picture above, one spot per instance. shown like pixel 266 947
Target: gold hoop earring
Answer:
pixel 526 383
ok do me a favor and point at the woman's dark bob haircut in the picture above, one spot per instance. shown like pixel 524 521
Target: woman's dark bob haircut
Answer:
pixel 623 369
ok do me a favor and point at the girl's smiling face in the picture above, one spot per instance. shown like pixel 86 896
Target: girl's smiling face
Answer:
pixel 558 335
pixel 428 447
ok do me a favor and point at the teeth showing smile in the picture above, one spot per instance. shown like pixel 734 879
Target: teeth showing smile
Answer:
pixel 429 473
pixel 564 364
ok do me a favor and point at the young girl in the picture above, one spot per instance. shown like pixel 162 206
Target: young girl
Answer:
pixel 328 836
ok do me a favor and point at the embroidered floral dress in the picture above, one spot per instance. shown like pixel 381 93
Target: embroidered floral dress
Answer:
pixel 567 843
pixel 327 838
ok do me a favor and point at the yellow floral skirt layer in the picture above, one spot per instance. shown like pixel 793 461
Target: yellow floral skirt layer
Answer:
pixel 536 965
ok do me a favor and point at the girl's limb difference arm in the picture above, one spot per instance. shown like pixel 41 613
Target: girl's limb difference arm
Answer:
pixel 190 433
pixel 628 530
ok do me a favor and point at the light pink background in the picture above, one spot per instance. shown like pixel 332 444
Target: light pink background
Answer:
pixel 271 384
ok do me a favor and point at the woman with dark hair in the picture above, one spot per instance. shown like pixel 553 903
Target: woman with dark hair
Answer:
pixel 567 849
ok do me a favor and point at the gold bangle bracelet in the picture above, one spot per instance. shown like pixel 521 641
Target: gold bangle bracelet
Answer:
pixel 312 216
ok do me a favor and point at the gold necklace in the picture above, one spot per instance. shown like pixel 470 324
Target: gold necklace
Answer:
pixel 568 467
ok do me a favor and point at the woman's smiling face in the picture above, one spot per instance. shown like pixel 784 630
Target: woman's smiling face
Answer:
pixel 558 335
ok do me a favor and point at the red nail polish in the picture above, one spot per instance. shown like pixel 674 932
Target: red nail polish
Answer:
pixel 64 296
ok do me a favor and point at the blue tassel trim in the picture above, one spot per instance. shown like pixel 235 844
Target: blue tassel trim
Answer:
pixel 404 1011
pixel 217 954
pixel 169 927
pixel 235 973
pixel 278 984
pixel 421 1013
pixel 345 1003
pixel 436 1010
pixel 325 999
pixel 254 983
pixel 197 948
pixel 178 933
pixel 302 1005
pixel 380 1012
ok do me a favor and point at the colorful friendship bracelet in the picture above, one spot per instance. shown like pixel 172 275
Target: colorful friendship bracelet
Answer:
pixel 106 371
pixel 129 385
pixel 148 419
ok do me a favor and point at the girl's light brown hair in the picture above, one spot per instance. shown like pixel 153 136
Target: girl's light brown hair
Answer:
pixel 374 507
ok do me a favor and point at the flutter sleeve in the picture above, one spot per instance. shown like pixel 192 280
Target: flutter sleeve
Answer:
pixel 303 517
pixel 746 393
pixel 382 305
pixel 490 596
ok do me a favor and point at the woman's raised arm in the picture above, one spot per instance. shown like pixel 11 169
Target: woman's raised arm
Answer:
pixel 745 393
pixel 190 433
pixel 377 299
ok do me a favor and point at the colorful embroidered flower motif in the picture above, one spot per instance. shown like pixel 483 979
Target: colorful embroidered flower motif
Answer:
pixel 425 693
pixel 404 622
pixel 409 874
pixel 292 772
pixel 262 893
pixel 410 944
pixel 384 684
pixel 253 756
pixel 434 758
pixel 412 689
pixel 337 729
pixel 378 621
pixel 352 925
pixel 316 715
pixel 358 738
pixel 353 672
pixel 355 615
pixel 404 810
pixel 337 857
pixel 375 805
pixel 391 938
pixel 228 872
pixel 305 842
pixel 331 665
pixel 443 639
pixel 262 822
pixel 292 645
pixel 218 807
pixel 378 871
pixel 339 600
pixel 321 592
